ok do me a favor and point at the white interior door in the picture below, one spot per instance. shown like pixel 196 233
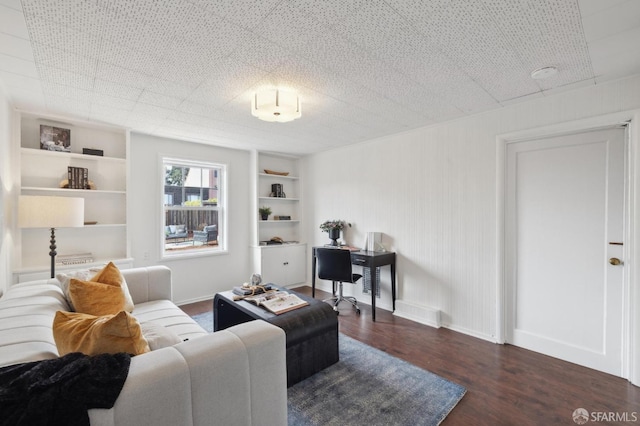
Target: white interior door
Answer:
pixel 565 221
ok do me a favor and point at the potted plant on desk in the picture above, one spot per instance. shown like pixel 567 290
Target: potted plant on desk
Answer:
pixel 333 227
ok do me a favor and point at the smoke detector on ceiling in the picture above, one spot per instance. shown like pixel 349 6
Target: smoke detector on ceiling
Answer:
pixel 544 72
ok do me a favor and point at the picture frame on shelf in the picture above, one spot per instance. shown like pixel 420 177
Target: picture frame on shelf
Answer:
pixel 55 138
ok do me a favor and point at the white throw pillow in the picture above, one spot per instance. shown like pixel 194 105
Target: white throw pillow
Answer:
pixel 159 336
pixel 81 274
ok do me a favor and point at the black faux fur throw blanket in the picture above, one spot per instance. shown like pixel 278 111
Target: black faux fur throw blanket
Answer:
pixel 60 391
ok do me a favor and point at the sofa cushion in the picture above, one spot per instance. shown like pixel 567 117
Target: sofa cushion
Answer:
pixel 168 315
pixel 93 335
pixel 158 336
pixel 110 274
pixel 26 313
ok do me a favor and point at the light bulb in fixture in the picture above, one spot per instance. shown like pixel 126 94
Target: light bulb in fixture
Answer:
pixel 276 105
pixel 544 72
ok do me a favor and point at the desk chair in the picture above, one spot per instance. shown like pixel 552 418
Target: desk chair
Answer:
pixel 335 265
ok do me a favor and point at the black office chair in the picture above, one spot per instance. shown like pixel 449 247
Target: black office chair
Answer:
pixel 335 265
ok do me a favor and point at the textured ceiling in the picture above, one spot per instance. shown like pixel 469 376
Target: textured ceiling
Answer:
pixel 364 68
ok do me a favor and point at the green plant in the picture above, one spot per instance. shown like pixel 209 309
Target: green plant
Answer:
pixel 265 211
pixel 212 200
pixel 328 225
pixel 174 175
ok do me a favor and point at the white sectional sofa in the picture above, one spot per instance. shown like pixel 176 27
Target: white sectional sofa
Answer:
pixel 231 377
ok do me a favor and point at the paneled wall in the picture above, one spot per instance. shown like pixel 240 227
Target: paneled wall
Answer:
pixel 432 192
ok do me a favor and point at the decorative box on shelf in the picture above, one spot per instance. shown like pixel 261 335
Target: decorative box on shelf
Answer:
pixel 277 191
pixel 91 151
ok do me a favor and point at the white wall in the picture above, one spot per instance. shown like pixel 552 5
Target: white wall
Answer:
pixel 432 191
pixel 6 188
pixel 199 277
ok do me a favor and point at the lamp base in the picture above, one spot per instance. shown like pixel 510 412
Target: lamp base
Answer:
pixel 52 252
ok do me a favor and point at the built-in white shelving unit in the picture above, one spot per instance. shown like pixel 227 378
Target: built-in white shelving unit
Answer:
pixel 42 172
pixel 281 264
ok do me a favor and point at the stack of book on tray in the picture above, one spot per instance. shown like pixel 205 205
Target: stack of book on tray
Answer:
pixel 74 259
pixel 277 301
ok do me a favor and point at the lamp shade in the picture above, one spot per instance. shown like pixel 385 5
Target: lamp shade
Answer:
pixel 276 105
pixel 36 211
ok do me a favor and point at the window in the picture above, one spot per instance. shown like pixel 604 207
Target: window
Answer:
pixel 194 210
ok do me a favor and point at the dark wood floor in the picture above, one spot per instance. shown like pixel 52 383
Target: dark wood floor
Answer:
pixel 506 385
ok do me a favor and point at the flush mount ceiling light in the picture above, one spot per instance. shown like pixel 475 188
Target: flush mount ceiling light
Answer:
pixel 544 72
pixel 276 105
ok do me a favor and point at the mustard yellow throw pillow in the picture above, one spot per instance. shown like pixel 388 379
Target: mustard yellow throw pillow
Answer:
pixel 93 335
pixel 95 298
pixel 110 275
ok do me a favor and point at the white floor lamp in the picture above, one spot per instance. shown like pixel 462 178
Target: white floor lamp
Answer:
pixel 38 211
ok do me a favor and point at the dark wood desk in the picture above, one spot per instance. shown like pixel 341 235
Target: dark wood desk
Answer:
pixel 366 259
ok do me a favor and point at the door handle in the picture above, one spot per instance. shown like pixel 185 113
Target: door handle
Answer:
pixel 615 261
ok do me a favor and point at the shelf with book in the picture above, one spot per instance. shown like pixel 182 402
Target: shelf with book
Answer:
pixel 36 273
pixel 67 156
pixel 44 170
pixel 278 199
pixel 70 192
pixel 279 222
pixel 283 264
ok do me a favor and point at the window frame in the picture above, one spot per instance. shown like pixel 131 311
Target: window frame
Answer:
pixel 222 247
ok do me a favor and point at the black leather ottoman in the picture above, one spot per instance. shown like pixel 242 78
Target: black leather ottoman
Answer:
pixel 312 331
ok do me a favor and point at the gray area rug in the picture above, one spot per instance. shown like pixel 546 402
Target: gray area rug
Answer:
pixel 367 387
pixel 205 320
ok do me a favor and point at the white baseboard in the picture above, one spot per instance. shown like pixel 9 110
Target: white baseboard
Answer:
pixel 421 314
pixel 194 300
pixel 472 333
pixel 431 317
pixel 324 286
